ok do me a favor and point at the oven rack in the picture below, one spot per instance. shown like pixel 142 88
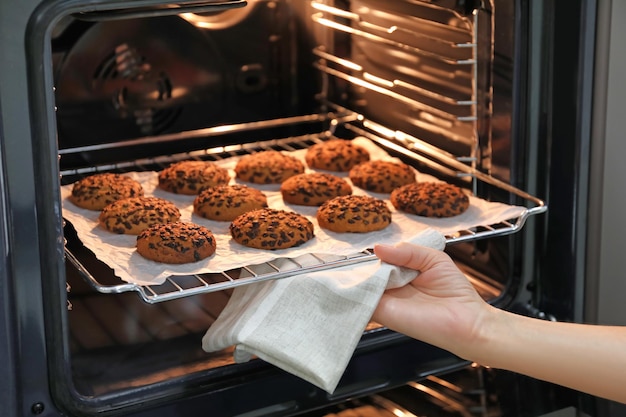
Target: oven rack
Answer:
pixel 182 286
pixel 449 107
pixel 176 287
pixel 449 41
pixel 433 79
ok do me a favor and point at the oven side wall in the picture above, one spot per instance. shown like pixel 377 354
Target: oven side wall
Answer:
pixel 7 328
pixel 605 284
pixel 27 383
pixel 606 224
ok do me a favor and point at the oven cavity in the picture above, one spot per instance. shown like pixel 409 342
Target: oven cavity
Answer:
pixel 137 92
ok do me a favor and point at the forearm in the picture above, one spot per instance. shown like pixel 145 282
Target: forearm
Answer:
pixel 441 307
pixel 583 357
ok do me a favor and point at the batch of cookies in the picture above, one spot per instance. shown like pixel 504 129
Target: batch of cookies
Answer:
pixel 163 237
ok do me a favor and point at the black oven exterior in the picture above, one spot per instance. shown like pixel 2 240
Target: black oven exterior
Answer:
pixel 549 58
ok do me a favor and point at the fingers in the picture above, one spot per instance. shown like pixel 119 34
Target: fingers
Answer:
pixel 412 256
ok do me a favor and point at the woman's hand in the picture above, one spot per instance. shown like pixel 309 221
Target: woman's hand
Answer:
pixel 440 306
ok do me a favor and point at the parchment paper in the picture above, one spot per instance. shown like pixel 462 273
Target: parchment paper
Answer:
pixel 118 251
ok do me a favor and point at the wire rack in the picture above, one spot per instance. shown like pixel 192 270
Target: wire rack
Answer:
pixel 176 287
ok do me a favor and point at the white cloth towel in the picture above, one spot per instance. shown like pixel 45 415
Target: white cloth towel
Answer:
pixel 309 324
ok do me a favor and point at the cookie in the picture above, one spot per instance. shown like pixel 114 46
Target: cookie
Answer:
pixel 313 189
pixel 354 214
pixel 336 155
pixel 381 176
pixel 191 177
pixel 271 229
pixel 226 202
pixel 430 199
pixel 176 243
pixel 99 190
pixel 268 167
pixel 132 215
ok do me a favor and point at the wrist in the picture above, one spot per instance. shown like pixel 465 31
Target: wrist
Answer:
pixel 490 328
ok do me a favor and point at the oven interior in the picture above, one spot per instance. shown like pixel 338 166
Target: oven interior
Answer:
pixel 137 91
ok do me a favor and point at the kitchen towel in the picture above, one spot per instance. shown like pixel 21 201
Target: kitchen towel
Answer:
pixel 309 324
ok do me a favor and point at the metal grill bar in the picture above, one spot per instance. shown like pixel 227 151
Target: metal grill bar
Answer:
pixel 373 32
pixel 390 93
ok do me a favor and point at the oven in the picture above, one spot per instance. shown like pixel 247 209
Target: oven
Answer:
pixel 492 96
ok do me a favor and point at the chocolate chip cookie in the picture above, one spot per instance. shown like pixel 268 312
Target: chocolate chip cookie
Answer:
pixel 132 215
pixel 268 167
pixel 191 177
pixel 271 229
pixel 226 202
pixel 99 190
pixel 354 214
pixel 430 199
pixel 336 155
pixel 176 243
pixel 313 189
pixel 381 176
